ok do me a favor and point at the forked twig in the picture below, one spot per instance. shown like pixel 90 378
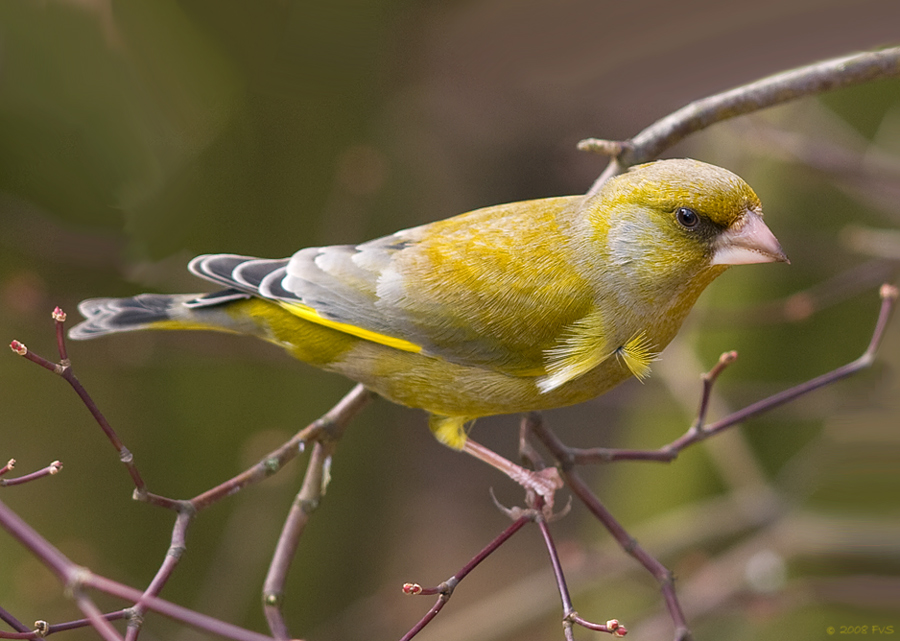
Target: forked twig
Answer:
pixel 699 430
pixel 570 616
pixel 64 369
pixel 445 589
pixel 49 470
pixel 331 427
pixel 568 457
pixel 325 432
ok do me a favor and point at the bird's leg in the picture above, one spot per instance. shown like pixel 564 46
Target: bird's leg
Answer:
pixel 544 482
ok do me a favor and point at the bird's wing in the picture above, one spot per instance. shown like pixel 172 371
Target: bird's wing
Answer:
pixel 490 288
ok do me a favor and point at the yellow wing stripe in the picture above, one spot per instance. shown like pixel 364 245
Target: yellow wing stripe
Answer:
pixel 308 313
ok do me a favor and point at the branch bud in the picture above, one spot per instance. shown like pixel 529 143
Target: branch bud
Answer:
pixel 412 588
pixel 610 148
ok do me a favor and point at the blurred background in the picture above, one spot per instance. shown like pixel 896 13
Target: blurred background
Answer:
pixel 135 135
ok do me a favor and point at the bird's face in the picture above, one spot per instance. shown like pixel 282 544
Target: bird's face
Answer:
pixel 667 224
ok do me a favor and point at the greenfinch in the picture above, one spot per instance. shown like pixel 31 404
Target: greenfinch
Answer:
pixel 518 307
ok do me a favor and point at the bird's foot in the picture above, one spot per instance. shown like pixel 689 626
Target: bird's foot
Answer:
pixel 541 485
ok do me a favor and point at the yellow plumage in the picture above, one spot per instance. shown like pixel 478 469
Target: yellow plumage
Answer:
pixel 511 308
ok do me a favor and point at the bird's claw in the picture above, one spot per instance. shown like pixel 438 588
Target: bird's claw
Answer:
pixel 540 489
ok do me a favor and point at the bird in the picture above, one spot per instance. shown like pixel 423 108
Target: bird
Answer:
pixel 511 308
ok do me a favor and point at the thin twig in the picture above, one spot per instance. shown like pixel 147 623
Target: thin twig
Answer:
pixel 64 369
pixel 570 616
pixel 51 469
pixel 99 622
pixel 8 467
pixel 445 589
pixel 12 621
pixel 709 379
pixel 83 623
pixel 304 503
pixel 177 547
pixel 631 546
pixel 331 428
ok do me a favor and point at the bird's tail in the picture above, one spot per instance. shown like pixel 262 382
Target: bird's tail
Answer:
pixel 155 311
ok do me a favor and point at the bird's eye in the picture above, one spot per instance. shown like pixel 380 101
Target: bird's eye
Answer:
pixel 687 218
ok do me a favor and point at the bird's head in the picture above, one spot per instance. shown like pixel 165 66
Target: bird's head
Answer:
pixel 666 222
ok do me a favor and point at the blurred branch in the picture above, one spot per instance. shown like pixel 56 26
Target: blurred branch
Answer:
pixel 729 577
pixel 883 243
pixel 801 305
pixel 855 165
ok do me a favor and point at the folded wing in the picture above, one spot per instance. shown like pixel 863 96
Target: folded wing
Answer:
pixel 484 289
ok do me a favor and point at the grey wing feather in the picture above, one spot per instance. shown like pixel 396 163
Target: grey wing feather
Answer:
pixel 358 285
pixel 340 282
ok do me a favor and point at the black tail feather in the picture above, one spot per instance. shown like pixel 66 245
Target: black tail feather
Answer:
pixel 108 315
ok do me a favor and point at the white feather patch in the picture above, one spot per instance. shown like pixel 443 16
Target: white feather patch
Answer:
pixel 637 355
pixel 581 350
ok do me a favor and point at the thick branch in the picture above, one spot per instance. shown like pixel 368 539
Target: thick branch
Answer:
pixel 767 92
pixel 774 90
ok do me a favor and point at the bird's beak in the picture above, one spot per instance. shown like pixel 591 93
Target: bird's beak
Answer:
pixel 747 241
